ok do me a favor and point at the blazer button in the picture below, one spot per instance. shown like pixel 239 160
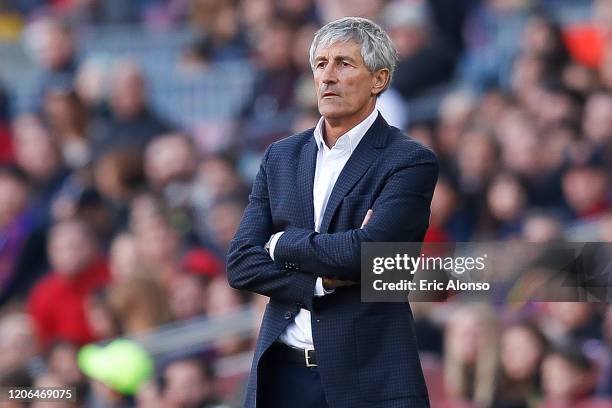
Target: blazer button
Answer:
pixel 288 315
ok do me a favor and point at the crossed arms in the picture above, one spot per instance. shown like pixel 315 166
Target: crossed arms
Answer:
pixel 400 213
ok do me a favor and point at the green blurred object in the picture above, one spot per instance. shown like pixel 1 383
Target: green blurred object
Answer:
pixel 122 365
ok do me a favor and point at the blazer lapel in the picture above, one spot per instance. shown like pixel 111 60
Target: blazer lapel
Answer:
pixel 306 172
pixel 359 162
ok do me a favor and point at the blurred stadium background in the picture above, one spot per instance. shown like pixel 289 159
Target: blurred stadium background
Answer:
pixel 130 133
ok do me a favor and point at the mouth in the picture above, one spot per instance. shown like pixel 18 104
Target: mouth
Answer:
pixel 329 94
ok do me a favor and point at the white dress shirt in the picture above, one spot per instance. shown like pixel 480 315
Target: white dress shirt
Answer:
pixel 330 163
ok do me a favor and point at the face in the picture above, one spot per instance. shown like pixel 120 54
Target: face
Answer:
pixel 520 353
pixel 570 315
pixel 560 381
pixel 128 92
pixel 186 295
pixel 542 229
pixel 166 159
pixel 58 50
pixel 17 345
pixel 506 198
pixel 123 257
pixel 476 156
pixel 584 188
pixel 218 177
pixel 156 243
pixel 223 221
pixel 464 336
pixel 71 248
pixel 598 118
pixel 63 363
pixel 185 385
pixel 35 150
pixel 345 88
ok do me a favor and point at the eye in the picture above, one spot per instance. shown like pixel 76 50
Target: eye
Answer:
pixel 320 64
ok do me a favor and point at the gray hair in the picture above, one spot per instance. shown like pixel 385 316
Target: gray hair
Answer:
pixel 377 49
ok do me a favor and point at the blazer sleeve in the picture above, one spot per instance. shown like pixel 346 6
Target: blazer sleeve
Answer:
pixel 249 266
pixel 401 214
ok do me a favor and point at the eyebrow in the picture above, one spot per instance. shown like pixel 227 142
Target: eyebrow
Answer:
pixel 337 58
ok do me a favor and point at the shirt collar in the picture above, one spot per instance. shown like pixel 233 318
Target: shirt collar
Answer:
pixel 351 138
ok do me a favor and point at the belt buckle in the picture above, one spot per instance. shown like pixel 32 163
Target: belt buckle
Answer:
pixel 307 358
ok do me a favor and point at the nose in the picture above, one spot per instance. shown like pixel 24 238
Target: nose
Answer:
pixel 329 75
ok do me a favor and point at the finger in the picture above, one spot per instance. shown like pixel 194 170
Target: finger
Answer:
pixel 367 217
pixel 333 283
pixel 340 282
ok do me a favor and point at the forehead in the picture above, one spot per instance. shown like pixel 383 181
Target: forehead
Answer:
pixel 349 48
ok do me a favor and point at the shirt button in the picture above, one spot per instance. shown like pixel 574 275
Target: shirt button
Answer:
pixel 318 320
pixel 288 315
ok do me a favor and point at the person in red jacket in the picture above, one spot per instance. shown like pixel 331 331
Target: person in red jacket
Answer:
pixel 57 302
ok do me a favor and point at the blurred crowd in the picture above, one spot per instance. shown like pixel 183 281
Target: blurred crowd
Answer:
pixel 115 220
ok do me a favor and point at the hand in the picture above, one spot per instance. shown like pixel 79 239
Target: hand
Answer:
pixel 330 283
pixel 367 217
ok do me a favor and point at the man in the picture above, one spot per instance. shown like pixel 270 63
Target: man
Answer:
pixel 187 382
pixel 318 195
pixel 132 121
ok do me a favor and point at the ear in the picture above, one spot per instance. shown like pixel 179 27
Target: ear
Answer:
pixel 380 80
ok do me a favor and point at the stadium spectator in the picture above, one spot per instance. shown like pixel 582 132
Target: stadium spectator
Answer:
pixel 572 322
pixel 17 342
pixel 57 302
pixel 167 159
pixel 567 378
pixel 132 122
pixel 586 190
pixel 188 383
pixel 523 347
pixel 273 93
pixel 50 380
pixel 61 365
pixel 53 46
pixel 187 295
pixel 506 201
pixel 38 155
pixel 139 303
pixel 123 259
pixel 471 355
pixel 118 177
pixel 67 119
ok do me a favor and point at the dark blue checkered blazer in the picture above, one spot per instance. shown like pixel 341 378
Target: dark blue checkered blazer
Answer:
pixel 366 352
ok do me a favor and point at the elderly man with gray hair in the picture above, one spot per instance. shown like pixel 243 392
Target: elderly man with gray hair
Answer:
pixel 317 197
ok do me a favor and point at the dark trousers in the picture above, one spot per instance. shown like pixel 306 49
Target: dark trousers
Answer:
pixel 288 384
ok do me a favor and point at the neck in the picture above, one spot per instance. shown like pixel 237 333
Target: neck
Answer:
pixel 336 127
